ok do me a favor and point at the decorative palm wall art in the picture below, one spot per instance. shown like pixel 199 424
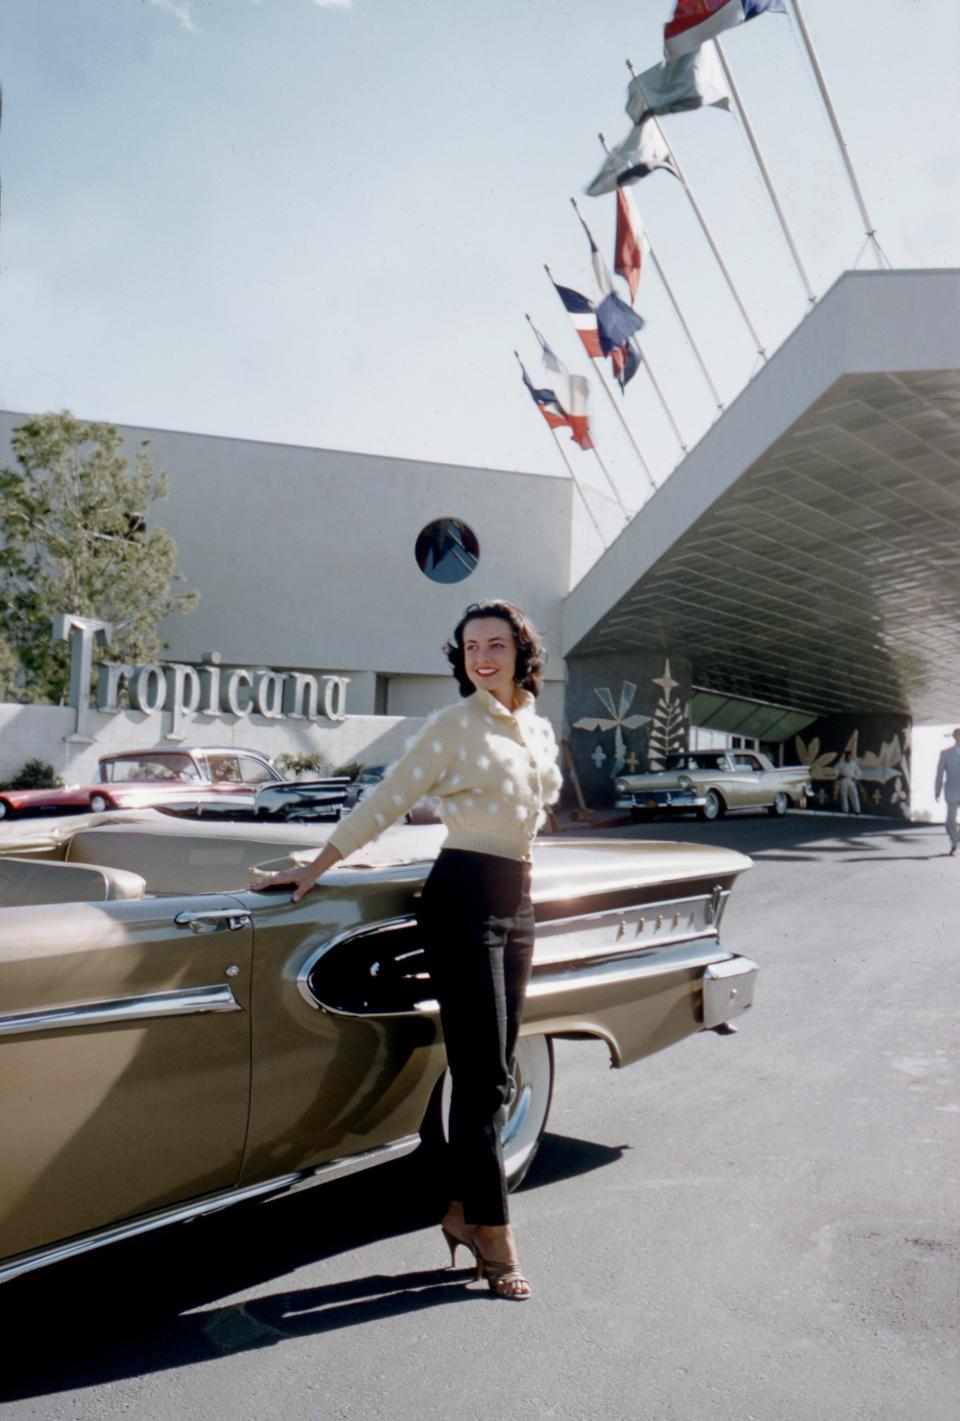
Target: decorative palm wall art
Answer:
pixel 668 733
pixel 668 727
pixel 884 774
pixel 622 707
pixel 618 721
pixel 810 755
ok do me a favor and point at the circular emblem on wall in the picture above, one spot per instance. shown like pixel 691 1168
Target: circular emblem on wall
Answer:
pixel 447 550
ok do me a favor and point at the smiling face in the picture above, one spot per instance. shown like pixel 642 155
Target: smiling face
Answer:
pixel 490 656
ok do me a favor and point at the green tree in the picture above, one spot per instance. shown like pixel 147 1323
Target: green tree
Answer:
pixel 9 670
pixel 78 537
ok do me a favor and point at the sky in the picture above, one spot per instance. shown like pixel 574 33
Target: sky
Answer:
pixel 321 222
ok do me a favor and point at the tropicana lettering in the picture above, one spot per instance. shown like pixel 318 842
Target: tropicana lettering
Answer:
pixel 183 689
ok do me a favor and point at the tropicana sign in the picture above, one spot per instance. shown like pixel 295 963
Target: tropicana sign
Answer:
pixel 183 689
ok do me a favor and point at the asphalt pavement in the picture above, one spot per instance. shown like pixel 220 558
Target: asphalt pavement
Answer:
pixel 761 1227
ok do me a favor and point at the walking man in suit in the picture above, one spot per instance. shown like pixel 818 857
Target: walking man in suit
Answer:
pixel 948 780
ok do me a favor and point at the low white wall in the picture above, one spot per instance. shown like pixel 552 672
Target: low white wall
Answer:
pixel 40 732
pixel 28 732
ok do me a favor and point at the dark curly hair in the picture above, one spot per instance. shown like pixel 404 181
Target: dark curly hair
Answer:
pixel 531 657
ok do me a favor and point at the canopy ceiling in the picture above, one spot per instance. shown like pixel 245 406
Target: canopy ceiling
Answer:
pixel 824 576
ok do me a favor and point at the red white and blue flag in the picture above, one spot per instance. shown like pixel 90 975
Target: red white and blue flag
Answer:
pixel 573 392
pixel 582 313
pixel 564 406
pixel 616 322
pixel 695 21
pixel 546 402
pixel 599 339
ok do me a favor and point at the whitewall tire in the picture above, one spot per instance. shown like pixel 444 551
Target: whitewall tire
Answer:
pixel 526 1110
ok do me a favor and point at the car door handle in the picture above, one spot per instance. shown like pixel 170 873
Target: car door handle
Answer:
pixel 214 921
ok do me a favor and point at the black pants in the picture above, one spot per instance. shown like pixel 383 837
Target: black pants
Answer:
pixel 476 919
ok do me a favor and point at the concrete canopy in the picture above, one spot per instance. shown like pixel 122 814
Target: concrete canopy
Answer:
pixel 807 552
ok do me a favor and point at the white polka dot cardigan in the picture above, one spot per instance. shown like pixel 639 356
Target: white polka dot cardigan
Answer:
pixel 492 770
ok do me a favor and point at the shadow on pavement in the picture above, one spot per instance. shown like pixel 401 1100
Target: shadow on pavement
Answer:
pixel 152 1303
pixel 795 837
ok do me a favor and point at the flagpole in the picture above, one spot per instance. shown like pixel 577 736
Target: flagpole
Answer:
pixel 616 491
pixel 577 486
pixel 660 395
pixel 596 455
pixel 576 481
pixel 676 306
pixel 781 217
pixel 703 223
pixel 686 329
pixel 626 428
pixel 871 232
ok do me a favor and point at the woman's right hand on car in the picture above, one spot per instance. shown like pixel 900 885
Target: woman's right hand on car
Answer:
pixel 300 879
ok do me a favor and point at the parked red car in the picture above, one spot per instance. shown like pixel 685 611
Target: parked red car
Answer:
pixel 217 779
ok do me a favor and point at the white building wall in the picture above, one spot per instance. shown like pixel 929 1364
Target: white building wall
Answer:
pixel 419 695
pixel 304 558
pixel 926 743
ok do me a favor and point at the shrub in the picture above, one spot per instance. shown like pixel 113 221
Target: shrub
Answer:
pixel 299 765
pixel 36 774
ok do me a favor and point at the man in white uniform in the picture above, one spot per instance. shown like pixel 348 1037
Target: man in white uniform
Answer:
pixel 948 780
pixel 848 772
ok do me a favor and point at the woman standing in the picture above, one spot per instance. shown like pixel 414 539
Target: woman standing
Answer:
pixel 491 763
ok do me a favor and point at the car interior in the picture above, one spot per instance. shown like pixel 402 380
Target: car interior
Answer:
pixel 130 860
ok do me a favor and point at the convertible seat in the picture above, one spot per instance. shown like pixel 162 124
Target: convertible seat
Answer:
pixel 25 883
pixel 174 862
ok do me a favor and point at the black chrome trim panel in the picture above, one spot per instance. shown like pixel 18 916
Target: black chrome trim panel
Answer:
pixel 383 925
pixel 188 1001
pixel 210 1204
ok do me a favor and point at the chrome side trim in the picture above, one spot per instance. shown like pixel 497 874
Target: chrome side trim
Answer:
pixel 626 968
pixel 188 1001
pixel 210 1204
pixel 354 1164
pixel 615 914
pixel 617 968
pixel 667 932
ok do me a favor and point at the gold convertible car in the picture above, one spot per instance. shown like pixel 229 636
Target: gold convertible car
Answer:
pixel 171 1043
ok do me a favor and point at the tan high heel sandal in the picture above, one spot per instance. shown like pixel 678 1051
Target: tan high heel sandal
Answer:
pixel 501 1277
pixel 455 1241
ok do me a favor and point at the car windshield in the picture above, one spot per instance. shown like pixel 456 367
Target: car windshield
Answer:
pixel 702 760
pixel 255 772
pixel 150 767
